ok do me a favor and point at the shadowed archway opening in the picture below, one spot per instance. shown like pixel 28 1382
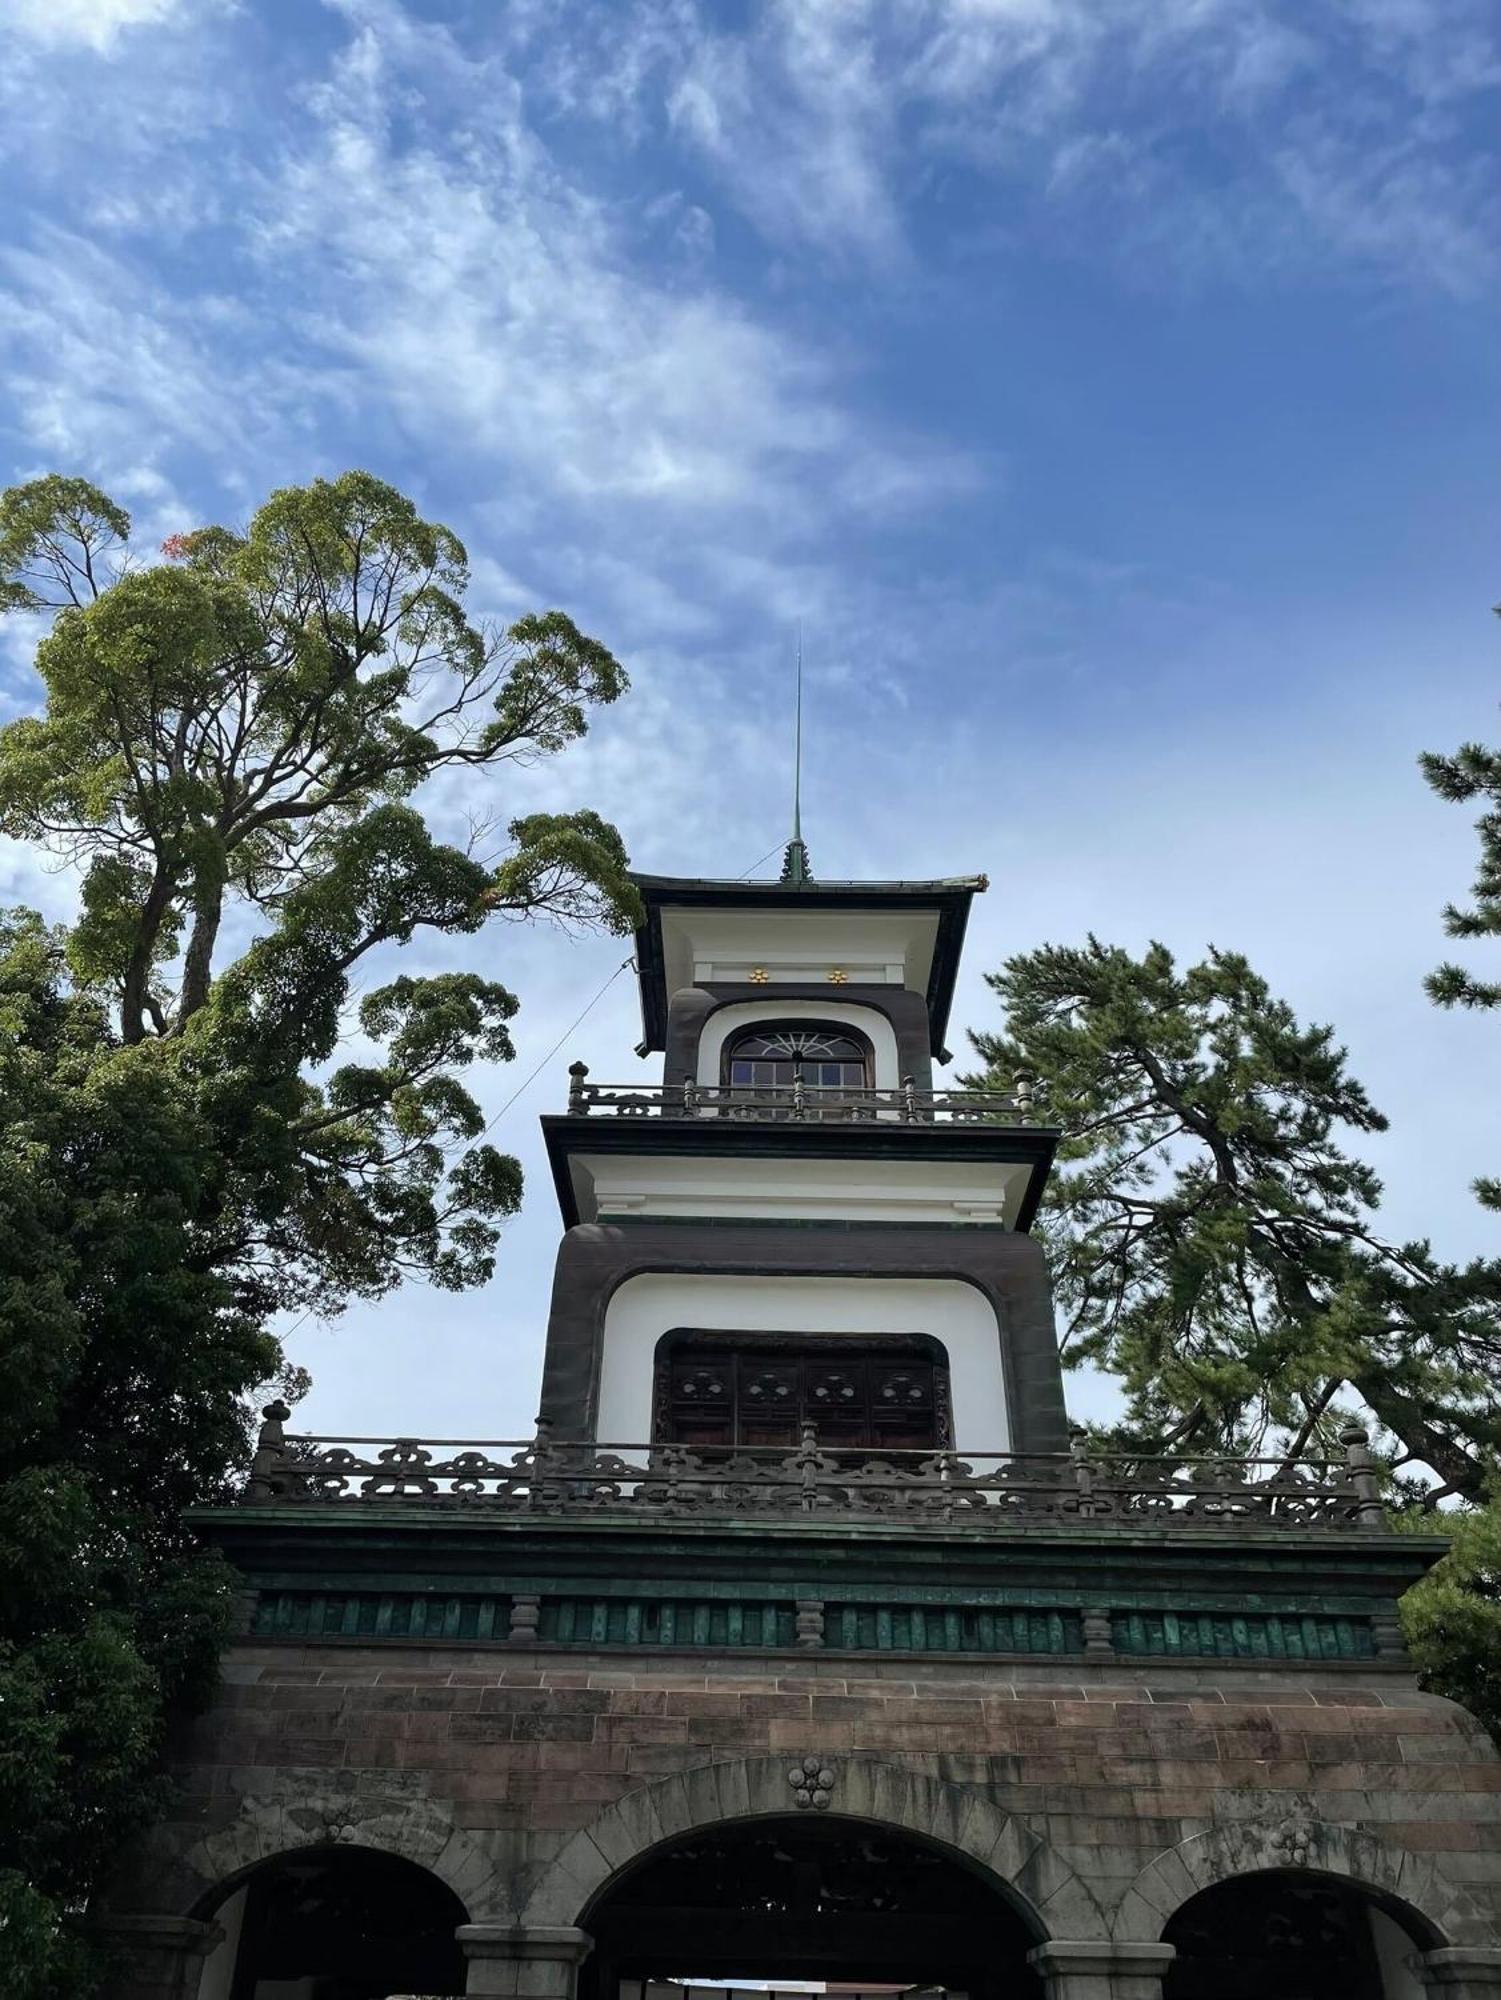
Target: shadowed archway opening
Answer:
pixel 334 1923
pixel 800 1898
pixel 1296 1935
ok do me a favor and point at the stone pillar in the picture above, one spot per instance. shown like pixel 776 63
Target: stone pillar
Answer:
pixel 1100 1969
pixel 523 1961
pixel 155 1958
pixel 1460 1972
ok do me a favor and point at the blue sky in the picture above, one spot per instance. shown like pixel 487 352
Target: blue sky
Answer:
pixel 1109 386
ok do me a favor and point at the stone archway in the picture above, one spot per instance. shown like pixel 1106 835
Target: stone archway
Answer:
pixel 334 1916
pixel 163 1875
pixel 1245 1847
pixel 955 1817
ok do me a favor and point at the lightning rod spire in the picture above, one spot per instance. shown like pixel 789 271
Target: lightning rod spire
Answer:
pixel 795 867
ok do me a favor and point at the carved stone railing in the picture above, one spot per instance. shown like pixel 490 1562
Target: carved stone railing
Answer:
pixel 970 1491
pixel 803 1103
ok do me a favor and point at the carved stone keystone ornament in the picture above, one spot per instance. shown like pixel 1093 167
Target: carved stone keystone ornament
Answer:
pixel 812 1783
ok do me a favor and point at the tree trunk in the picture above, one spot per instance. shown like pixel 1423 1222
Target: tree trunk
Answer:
pixel 138 969
pixel 1405 1418
pixel 197 971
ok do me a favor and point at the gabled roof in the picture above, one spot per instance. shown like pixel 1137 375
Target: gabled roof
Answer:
pixel 948 899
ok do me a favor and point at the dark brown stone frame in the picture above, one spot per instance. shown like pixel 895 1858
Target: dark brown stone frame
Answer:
pixel 1008 1269
pixel 949 901
pixel 690 1007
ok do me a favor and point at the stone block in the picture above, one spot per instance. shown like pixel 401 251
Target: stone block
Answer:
pixel 694 1703
pixel 639 1701
pixel 656 1759
pixel 568 1727
pixel 642 1729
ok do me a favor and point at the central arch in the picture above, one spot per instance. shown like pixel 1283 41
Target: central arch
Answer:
pixel 809 1896
pixel 1024 1870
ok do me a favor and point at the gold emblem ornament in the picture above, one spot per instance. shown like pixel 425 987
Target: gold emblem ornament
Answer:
pixel 759 976
pixel 839 977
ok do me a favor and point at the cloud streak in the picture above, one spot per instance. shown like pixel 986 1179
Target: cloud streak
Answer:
pixel 1335 132
pixel 1068 367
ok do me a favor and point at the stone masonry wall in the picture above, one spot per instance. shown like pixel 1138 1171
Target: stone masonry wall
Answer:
pixel 484 1763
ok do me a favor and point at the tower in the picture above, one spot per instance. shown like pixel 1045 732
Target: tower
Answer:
pixel 802 1642
pixel 792 1227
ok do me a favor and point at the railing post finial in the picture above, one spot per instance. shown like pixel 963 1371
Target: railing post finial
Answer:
pixel 1079 1445
pixel 578 1096
pixel 1361 1471
pixel 1026 1093
pixel 266 1465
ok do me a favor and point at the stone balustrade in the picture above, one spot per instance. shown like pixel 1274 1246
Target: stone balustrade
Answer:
pixel 973 1492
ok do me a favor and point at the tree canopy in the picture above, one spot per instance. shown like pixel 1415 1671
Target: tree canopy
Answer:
pixel 1214 1245
pixel 232 748
pixel 1473 772
pixel 1452 1619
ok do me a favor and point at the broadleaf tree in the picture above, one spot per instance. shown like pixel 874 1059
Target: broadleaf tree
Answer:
pixel 235 745
pixel 1452 1619
pixel 1214 1243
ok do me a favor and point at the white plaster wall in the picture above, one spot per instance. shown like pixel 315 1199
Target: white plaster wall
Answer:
pixel 750 1013
pixel 877 948
pixel 790 1189
pixel 951 1312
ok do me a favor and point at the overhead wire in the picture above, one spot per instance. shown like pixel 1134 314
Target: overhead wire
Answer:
pixel 757 863
pixel 625 965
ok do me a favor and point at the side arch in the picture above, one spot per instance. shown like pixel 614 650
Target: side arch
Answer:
pixel 1248 1847
pixel 163 1873
pixel 955 1817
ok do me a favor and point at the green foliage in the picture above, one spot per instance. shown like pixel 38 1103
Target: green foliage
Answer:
pixel 1213 1244
pixel 221 726
pixel 246 727
pixel 56 536
pixel 1452 1619
pixel 127 1359
pixel 1473 772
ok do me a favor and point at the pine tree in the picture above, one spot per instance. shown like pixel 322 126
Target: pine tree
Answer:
pixel 1473 772
pixel 1214 1244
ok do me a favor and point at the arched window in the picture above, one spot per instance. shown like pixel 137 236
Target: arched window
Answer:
pixel 822 1055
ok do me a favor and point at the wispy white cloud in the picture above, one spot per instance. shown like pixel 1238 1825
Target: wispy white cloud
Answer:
pixel 93 24
pixel 826 122
pixel 552 349
pixel 408 240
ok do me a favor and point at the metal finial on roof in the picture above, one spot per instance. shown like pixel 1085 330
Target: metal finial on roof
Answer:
pixel 796 869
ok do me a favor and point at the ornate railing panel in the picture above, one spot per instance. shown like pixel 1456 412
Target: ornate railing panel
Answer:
pixel 978 1491
pixel 803 1103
